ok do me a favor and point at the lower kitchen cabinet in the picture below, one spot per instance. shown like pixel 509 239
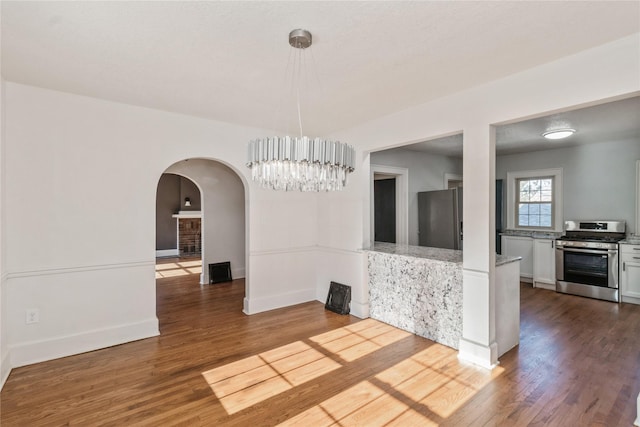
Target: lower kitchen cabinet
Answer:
pixel 522 247
pixel 538 263
pixel 544 263
pixel 630 273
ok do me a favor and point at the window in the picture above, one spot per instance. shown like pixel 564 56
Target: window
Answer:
pixel 535 202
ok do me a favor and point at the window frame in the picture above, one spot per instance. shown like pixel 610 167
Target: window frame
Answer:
pixel 513 178
pixel 518 202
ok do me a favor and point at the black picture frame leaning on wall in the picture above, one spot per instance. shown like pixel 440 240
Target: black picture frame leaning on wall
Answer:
pixel 339 298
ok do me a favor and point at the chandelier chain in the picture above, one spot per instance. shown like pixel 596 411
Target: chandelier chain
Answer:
pixel 298 84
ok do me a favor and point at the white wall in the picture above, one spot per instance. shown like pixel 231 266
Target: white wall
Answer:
pixel 223 213
pixel 5 366
pixel 598 179
pixel 340 239
pixel 80 184
pixel 283 250
pixel 426 173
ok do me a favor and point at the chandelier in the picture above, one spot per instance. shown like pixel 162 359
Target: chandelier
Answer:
pixel 299 162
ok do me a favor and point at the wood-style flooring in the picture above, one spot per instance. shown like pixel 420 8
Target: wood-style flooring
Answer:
pixel 578 364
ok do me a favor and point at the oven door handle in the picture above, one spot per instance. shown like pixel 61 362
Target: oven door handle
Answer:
pixel 588 251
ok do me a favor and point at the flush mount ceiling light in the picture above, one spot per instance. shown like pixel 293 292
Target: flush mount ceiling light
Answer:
pixel 299 162
pixel 559 133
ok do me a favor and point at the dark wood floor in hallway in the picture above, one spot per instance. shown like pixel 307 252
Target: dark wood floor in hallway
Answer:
pixel 578 364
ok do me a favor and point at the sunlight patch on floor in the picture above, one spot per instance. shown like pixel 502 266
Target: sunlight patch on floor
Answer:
pixel 242 384
pixel 355 341
pixel 175 269
pixel 423 390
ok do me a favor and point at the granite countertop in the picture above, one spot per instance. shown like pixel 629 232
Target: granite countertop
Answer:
pixel 631 240
pixel 530 233
pixel 506 259
pixel 436 254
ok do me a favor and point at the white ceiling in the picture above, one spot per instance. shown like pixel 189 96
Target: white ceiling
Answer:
pixel 226 60
pixel 608 122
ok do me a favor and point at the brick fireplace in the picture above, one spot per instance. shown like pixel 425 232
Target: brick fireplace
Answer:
pixel 189 236
pixel 189 228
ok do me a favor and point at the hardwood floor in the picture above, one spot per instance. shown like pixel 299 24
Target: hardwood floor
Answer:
pixel 578 364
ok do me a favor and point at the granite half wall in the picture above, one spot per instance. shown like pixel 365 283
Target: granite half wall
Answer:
pixel 419 289
pixel 419 295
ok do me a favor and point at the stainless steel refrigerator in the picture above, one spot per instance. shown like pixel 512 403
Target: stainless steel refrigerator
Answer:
pixel 440 218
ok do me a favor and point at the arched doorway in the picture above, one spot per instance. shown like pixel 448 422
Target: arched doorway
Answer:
pixel 215 218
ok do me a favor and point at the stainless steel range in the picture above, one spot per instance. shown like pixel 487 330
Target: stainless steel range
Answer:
pixel 587 259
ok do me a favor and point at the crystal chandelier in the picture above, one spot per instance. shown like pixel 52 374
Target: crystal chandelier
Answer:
pixel 299 162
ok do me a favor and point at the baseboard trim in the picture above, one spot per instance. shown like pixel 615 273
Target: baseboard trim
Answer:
pixel 258 305
pixel 5 369
pixel 478 354
pixel 28 353
pixel 543 285
pixel 360 310
pixel 237 273
pixel 167 253
pixel 630 300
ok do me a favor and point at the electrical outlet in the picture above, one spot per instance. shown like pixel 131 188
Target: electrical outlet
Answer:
pixel 33 316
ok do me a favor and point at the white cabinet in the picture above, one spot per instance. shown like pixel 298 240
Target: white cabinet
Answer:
pixel 544 263
pixel 630 273
pixel 522 247
pixel 538 263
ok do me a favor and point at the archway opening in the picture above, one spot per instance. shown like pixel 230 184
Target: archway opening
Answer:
pixel 200 225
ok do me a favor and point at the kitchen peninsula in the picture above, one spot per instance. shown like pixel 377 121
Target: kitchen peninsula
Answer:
pixel 419 289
